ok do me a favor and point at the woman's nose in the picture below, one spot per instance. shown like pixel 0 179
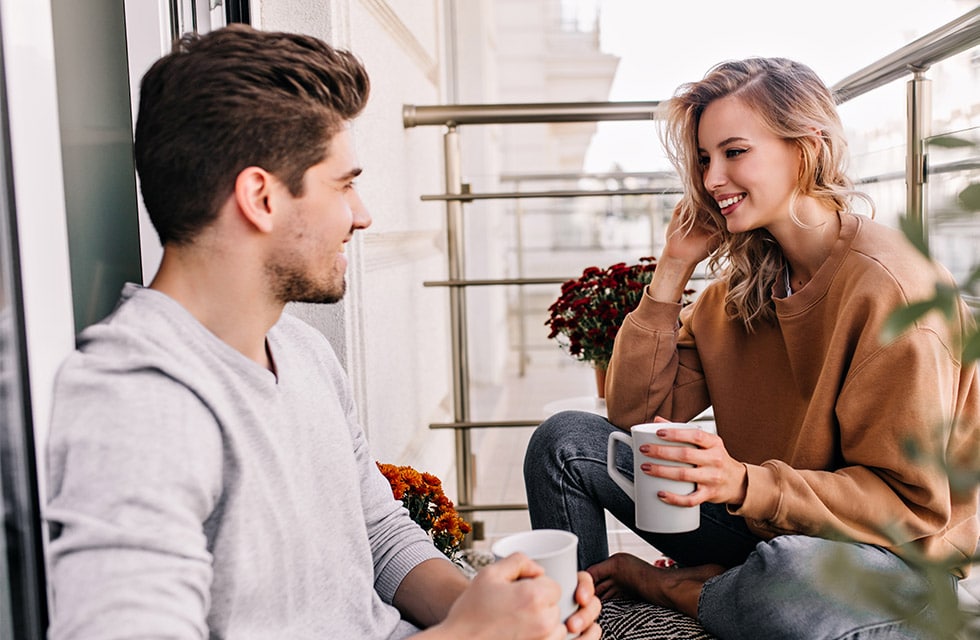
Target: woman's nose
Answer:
pixel 713 176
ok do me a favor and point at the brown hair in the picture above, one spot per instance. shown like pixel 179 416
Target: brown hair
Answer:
pixel 230 99
pixel 795 105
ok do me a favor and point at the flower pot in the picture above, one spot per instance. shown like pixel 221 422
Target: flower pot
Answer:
pixel 600 381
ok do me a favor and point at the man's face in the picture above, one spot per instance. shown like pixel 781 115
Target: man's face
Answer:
pixel 307 263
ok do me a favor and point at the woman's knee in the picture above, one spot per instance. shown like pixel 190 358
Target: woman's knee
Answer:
pixel 801 582
pixel 562 437
pixel 567 428
pixel 786 568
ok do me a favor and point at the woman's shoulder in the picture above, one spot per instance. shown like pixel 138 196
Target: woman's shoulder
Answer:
pixel 881 257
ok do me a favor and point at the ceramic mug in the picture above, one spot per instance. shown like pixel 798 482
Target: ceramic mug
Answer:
pixel 652 513
pixel 556 551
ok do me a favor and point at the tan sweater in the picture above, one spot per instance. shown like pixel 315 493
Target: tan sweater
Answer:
pixel 818 409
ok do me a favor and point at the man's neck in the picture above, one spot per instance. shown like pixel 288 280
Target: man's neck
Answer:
pixel 222 295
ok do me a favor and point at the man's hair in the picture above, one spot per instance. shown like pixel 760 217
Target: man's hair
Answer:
pixel 231 99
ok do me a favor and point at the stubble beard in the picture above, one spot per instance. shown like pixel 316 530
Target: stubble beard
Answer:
pixel 289 284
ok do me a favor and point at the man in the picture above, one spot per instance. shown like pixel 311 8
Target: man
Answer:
pixel 208 476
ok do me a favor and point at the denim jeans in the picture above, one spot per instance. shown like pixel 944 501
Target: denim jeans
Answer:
pixel 778 588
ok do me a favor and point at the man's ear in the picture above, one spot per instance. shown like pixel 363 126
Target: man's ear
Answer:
pixel 253 195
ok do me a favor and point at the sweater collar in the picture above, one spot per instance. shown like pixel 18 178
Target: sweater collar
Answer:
pixel 814 290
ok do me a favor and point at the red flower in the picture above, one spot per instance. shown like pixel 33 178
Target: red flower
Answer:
pixel 587 315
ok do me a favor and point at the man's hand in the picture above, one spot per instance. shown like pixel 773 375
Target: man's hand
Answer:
pixel 512 598
pixel 583 620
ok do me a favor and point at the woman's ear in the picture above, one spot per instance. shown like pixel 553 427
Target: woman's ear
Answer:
pixel 815 140
pixel 253 195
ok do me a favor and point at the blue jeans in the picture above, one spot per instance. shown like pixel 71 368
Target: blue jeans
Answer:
pixel 776 588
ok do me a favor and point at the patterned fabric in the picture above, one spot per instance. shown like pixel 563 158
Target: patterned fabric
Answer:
pixel 631 620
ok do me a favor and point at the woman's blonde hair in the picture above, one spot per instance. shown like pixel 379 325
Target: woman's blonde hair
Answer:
pixel 795 105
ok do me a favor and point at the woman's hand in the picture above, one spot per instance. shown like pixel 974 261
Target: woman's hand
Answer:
pixel 689 243
pixel 719 478
pixel 685 248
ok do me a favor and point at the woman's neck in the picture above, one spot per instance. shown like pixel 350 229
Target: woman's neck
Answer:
pixel 807 247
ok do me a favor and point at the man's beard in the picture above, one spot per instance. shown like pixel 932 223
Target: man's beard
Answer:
pixel 289 284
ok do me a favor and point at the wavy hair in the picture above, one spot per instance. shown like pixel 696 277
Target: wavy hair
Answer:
pixel 795 105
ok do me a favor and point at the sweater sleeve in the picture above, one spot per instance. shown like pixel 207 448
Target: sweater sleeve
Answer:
pixel 131 482
pixel 398 544
pixel 894 416
pixel 655 369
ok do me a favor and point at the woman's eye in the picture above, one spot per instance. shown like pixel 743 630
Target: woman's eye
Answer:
pixel 703 161
pixel 734 153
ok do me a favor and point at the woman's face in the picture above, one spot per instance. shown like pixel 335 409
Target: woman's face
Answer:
pixel 750 172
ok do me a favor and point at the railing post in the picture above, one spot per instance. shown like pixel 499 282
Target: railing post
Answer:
pixel 522 356
pixel 465 479
pixel 919 120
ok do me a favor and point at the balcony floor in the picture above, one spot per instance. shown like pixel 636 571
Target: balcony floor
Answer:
pixel 550 376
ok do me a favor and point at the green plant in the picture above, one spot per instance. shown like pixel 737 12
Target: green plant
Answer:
pixel 949 620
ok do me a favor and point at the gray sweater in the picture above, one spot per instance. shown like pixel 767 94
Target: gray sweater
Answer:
pixel 194 494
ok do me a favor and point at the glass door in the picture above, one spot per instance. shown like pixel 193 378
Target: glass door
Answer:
pixel 23 600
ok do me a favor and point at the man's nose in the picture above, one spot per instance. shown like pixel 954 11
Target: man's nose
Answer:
pixel 362 217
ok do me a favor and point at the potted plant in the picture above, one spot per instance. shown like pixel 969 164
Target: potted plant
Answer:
pixel 428 506
pixel 591 308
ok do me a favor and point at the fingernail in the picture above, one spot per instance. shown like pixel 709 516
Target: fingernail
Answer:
pixel 661 433
pixel 644 448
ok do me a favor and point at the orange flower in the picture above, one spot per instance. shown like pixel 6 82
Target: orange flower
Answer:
pixel 421 494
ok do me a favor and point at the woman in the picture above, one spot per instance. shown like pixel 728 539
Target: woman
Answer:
pixel 814 414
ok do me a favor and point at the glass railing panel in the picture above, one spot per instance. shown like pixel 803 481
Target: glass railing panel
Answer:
pixel 879 172
pixel 874 125
pixel 953 199
pixel 955 89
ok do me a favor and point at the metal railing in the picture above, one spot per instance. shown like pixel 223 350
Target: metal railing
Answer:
pixel 913 59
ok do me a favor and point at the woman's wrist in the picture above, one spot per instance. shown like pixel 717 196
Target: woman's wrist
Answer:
pixel 670 279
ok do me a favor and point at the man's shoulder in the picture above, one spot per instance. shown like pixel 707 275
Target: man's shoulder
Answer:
pixel 299 337
pixel 143 327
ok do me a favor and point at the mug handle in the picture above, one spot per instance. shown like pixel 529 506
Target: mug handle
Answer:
pixel 622 481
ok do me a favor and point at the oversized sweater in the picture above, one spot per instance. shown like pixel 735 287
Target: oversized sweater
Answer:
pixel 195 494
pixel 819 410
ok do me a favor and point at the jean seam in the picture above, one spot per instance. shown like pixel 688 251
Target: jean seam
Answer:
pixel 562 483
pixel 894 623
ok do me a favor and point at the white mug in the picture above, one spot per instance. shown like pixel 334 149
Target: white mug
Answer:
pixel 557 553
pixel 652 513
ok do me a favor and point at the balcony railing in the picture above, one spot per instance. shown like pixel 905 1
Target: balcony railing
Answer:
pixel 912 60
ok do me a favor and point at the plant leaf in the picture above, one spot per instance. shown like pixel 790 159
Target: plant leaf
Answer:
pixel 971 347
pixel 903 318
pixel 969 198
pixel 950 142
pixel 971 280
pixel 915 232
